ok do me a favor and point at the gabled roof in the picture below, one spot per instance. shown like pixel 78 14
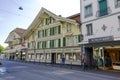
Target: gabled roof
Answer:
pixel 17 32
pixel 39 16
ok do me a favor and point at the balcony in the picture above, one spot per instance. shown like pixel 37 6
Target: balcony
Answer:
pixel 103 12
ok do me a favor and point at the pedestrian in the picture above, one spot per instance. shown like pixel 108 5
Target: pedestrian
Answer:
pixel 84 60
pixel 63 60
pixel 95 63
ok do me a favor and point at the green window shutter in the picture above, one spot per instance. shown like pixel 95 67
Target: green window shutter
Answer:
pixel 59 42
pixel 46 21
pixel 38 34
pixel 50 31
pixel 53 31
pixel 38 45
pixel 59 29
pixel 64 42
pixel 45 44
pixel 42 33
pixel 79 38
pixel 50 19
pixel 45 32
pixel 42 44
pixel 52 43
pixel 28 45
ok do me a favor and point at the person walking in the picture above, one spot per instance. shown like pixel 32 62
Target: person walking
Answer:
pixel 84 60
pixel 63 60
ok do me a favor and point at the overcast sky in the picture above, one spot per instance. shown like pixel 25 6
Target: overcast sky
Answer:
pixel 11 17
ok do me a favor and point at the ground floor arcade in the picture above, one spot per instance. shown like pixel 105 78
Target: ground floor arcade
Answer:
pixel 72 55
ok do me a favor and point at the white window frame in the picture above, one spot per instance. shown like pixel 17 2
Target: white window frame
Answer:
pixel 117 3
pixel 88 10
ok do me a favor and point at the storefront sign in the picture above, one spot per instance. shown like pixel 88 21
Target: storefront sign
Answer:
pixel 101 39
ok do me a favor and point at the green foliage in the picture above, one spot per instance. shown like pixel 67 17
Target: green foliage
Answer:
pixel 2 48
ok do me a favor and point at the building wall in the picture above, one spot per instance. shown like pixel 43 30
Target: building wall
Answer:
pixel 110 21
pixel 68 30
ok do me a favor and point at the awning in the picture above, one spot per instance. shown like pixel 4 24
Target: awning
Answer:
pixel 21 48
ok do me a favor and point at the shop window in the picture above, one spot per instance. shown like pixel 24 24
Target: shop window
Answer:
pixel 59 56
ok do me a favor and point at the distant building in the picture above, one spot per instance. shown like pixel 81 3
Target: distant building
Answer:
pixel 101 30
pixel 50 36
pixel 16 45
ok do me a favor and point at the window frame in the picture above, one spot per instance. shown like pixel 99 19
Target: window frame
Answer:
pixel 86 10
pixel 89 28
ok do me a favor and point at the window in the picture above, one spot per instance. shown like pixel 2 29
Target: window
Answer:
pixel 28 45
pixel 52 31
pixel 48 44
pixel 43 33
pixel 56 43
pixel 51 43
pixel 89 29
pixel 88 11
pixel 68 27
pixel 64 42
pixel 117 3
pixel 39 34
pixel 48 20
pixel 103 10
pixel 69 41
pixel 59 42
pixel 119 23
pixel 44 44
pixel 59 29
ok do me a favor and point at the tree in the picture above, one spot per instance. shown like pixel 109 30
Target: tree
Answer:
pixel 1 48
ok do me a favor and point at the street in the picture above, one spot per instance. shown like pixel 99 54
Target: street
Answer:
pixel 30 71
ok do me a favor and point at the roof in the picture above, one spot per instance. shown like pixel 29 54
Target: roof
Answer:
pixel 19 31
pixel 75 17
pixel 36 20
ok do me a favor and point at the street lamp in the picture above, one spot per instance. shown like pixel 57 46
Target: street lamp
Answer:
pixel 20 8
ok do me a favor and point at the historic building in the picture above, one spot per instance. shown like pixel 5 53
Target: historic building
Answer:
pixel 100 21
pixel 16 46
pixel 51 37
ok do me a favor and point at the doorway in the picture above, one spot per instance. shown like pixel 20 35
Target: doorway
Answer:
pixel 53 58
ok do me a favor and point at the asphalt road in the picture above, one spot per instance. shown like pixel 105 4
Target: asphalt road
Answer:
pixel 30 71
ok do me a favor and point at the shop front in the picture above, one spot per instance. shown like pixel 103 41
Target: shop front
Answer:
pixel 106 51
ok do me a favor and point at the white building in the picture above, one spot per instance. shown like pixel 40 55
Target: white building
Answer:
pixel 101 30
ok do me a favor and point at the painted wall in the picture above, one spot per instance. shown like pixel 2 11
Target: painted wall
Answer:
pixel 110 21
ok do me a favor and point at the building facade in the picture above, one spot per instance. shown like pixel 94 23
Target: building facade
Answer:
pixel 51 37
pixel 16 46
pixel 101 30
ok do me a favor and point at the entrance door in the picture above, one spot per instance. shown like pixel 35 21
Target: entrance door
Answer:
pixel 53 60
pixel 103 7
pixel 89 52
